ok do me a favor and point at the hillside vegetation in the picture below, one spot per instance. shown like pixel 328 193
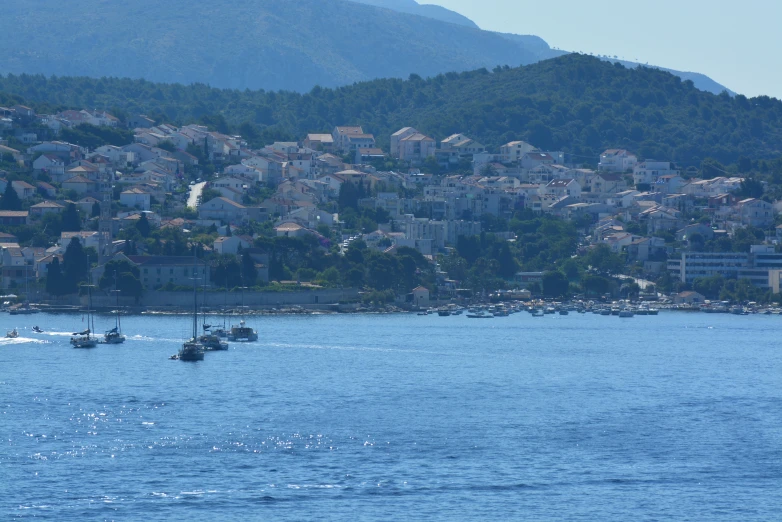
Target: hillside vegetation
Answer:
pixel 574 103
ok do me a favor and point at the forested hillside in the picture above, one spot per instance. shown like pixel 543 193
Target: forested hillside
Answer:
pixel 574 103
pixel 269 44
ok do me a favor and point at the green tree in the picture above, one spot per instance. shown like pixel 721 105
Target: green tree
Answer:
pixel 75 266
pixel 123 275
pixel 10 200
pixel 555 284
pixel 142 225
pixel 348 196
pixel 71 222
pixel 54 278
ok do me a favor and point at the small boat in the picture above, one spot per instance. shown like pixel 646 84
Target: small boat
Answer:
pixel 37 329
pixel 13 334
pixel 480 315
pixel 242 333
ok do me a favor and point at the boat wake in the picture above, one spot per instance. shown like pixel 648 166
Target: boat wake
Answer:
pixel 21 340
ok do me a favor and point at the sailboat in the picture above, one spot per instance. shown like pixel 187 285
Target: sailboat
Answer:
pixel 242 333
pixel 114 336
pixel 84 339
pixel 25 308
pixel 219 331
pixel 192 350
pixel 209 339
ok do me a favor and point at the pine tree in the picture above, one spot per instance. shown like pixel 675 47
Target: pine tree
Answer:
pixel 142 225
pixel 71 222
pixel 54 282
pixel 10 199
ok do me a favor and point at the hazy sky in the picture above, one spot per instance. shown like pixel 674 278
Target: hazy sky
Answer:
pixel 737 43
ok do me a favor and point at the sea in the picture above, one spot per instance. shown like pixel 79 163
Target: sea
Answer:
pixel 397 417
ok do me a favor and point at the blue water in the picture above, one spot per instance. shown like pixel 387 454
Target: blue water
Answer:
pixel 371 417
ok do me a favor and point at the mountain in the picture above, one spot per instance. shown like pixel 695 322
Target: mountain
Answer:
pixel 268 44
pixel 256 44
pixel 435 12
pixel 576 103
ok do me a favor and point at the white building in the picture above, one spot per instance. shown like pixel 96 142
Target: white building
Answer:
pixel 617 160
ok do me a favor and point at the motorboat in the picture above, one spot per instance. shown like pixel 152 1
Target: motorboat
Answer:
pixel 242 333
pixel 13 334
pixel 480 315
pixel 36 329
pixel 212 342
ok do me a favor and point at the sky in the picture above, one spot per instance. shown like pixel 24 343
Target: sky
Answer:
pixel 737 44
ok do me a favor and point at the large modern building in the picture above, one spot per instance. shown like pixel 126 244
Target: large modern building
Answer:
pixel 760 265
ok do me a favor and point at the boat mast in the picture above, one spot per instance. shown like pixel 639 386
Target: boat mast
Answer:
pixel 195 295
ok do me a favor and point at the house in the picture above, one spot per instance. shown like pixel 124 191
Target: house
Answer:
pixel 14 217
pixel 513 152
pixel 156 271
pixel 50 164
pixel 23 189
pixel 563 187
pixel 292 229
pixel 48 190
pixel 227 211
pixel 420 297
pixel 617 160
pixel 397 137
pixel 415 148
pixel 530 160
pixel 46 207
pixel 319 142
pixel 646 248
pixel 648 172
pixel 15 154
pixel 87 238
pixel 669 184
pixel 8 238
pixel 689 298
pixel 79 184
pixel 608 183
pixel 86 204
pixel 231 244
pixel 340 136
pixel 755 212
pixel 137 198
pixel 140 121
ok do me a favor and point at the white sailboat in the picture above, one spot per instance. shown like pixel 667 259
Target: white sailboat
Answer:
pixel 192 350
pixel 114 336
pixel 209 338
pixel 84 339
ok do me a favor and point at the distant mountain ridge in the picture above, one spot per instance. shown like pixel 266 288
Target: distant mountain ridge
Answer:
pixel 257 44
pixel 435 12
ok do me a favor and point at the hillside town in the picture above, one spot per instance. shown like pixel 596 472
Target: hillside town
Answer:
pixel 341 189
